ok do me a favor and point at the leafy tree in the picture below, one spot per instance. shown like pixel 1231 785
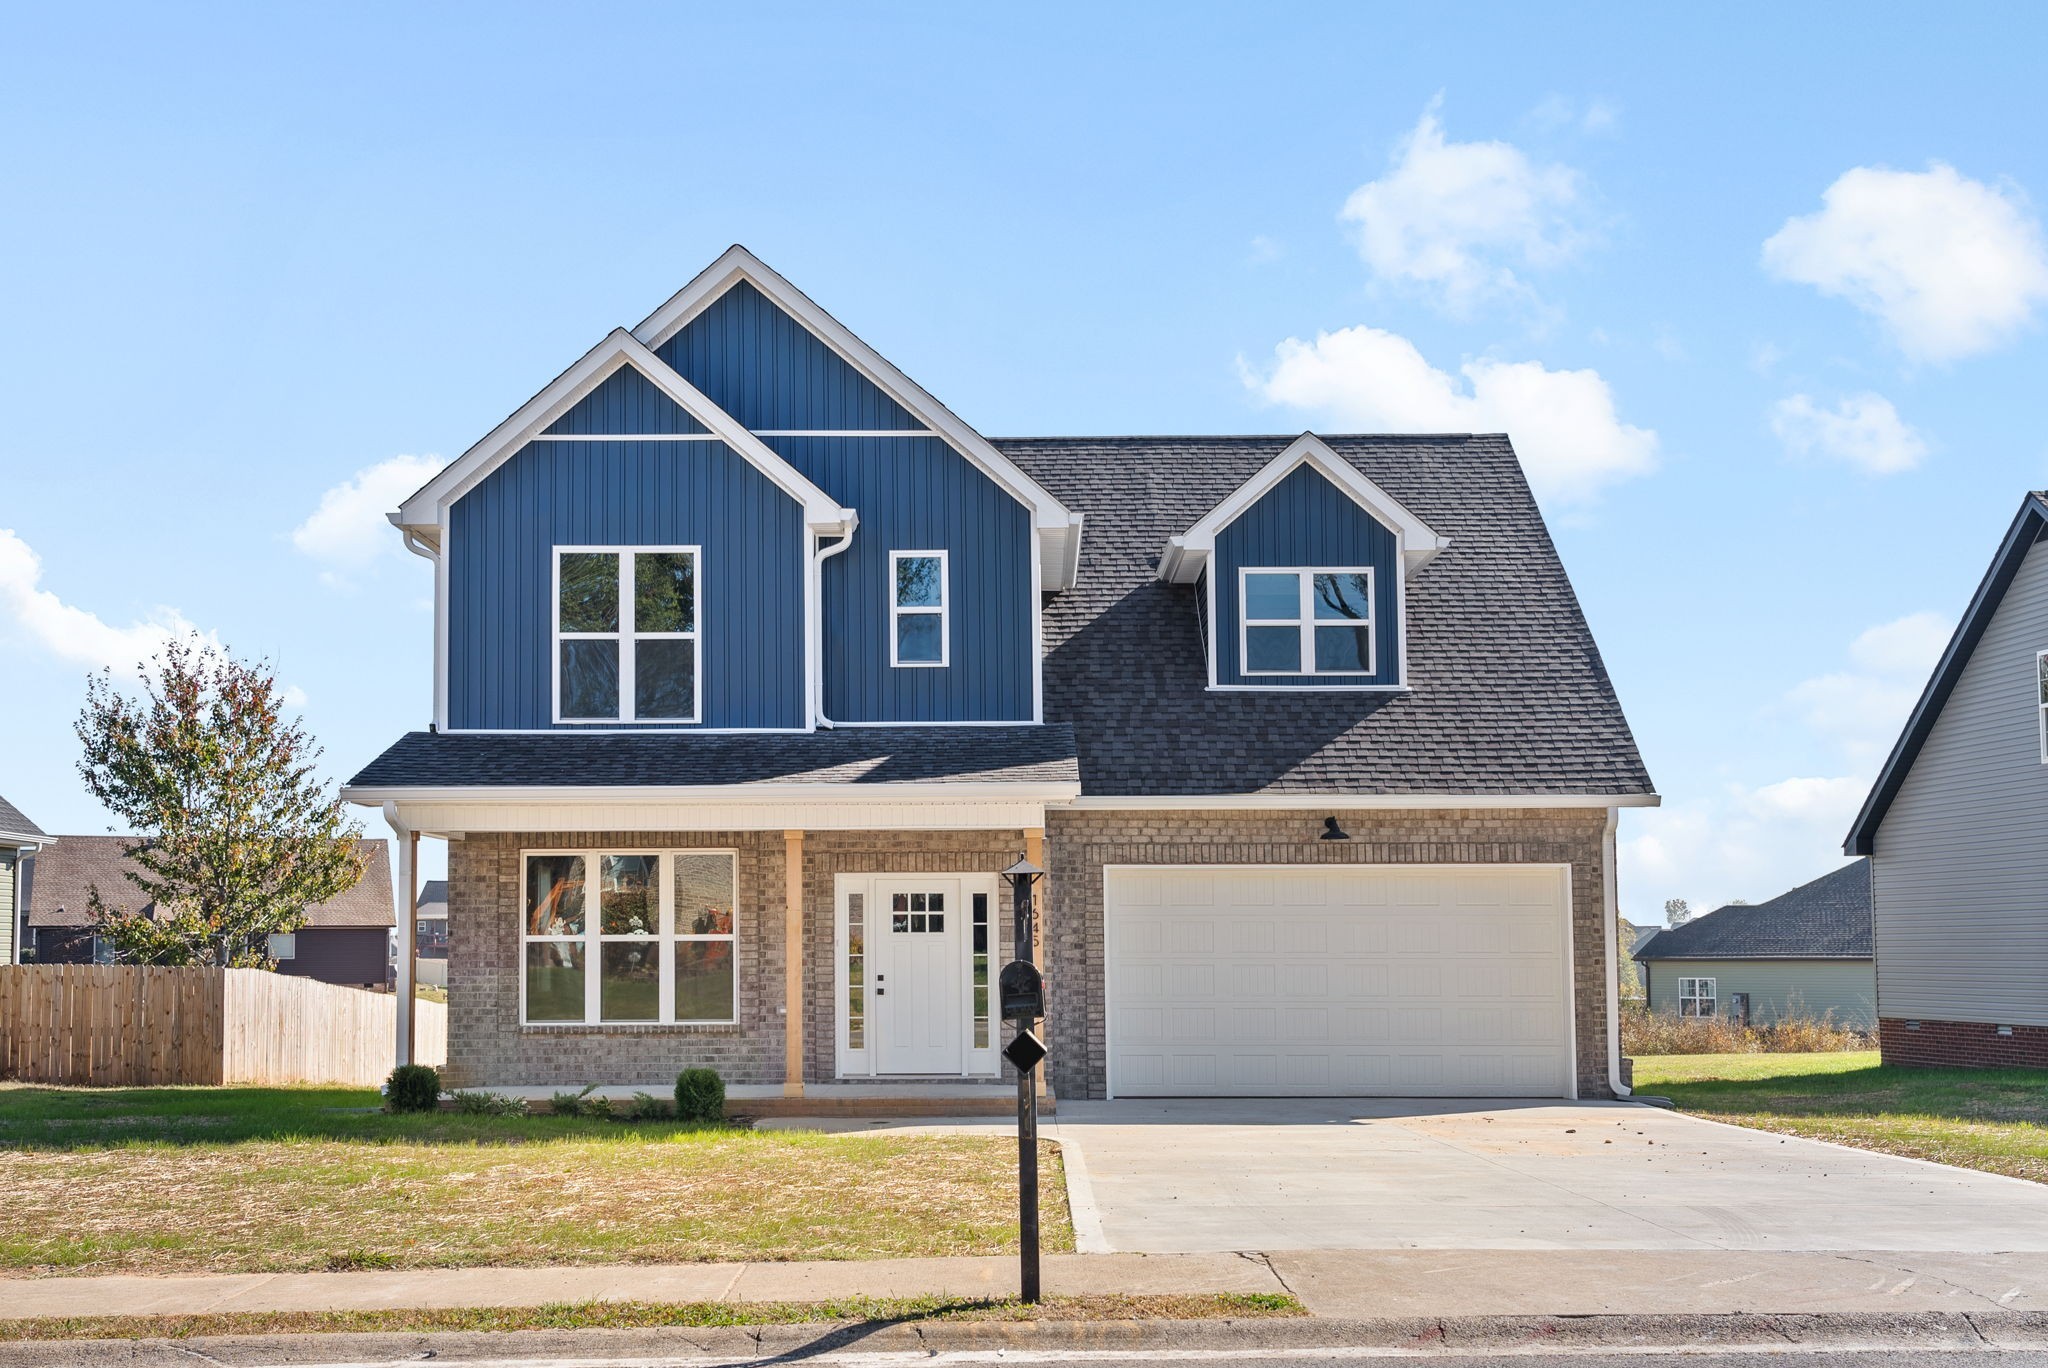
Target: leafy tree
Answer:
pixel 1628 974
pixel 1676 912
pixel 235 834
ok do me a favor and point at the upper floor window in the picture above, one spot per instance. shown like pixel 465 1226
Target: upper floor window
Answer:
pixel 2041 698
pixel 626 634
pixel 1306 622
pixel 919 633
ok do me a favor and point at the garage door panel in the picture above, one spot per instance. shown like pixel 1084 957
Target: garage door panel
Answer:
pixel 1270 982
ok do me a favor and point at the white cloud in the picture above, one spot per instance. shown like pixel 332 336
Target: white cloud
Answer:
pixel 1906 647
pixel 1863 708
pixel 1861 430
pixel 1951 266
pixel 349 531
pixel 1454 219
pixel 69 633
pixel 1265 250
pixel 1564 424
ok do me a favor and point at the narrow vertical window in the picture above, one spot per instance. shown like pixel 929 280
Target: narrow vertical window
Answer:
pixel 980 950
pixel 626 634
pixel 919 632
pixel 856 971
pixel 2041 699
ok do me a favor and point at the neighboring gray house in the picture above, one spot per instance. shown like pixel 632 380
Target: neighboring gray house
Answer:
pixel 433 933
pixel 346 940
pixel 1805 953
pixel 18 837
pixel 1957 831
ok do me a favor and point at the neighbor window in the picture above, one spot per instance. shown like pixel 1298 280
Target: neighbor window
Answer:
pixel 919 633
pixel 633 937
pixel 1696 997
pixel 283 945
pixel 626 634
pixel 2041 698
pixel 1306 622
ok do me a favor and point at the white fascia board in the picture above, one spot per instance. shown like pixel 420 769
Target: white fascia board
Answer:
pixel 737 264
pixel 717 794
pixel 1182 560
pixel 423 512
pixel 1358 802
pixel 21 840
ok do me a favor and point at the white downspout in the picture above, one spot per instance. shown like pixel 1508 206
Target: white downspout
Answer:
pixel 1610 911
pixel 408 883
pixel 823 554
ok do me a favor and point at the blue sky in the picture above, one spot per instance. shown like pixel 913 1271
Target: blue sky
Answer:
pixel 254 256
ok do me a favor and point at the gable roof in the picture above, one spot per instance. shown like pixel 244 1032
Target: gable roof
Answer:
pixel 1058 527
pixel 2028 527
pixel 16 828
pixel 433 902
pixel 1828 918
pixel 1509 694
pixel 421 514
pixel 61 873
pixel 1187 553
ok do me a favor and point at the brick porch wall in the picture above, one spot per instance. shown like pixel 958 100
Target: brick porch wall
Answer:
pixel 1079 844
pixel 1961 1045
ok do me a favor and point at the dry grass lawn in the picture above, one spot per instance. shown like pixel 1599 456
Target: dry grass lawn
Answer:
pixel 184 1181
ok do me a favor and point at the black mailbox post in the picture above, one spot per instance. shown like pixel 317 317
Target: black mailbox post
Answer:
pixel 1021 991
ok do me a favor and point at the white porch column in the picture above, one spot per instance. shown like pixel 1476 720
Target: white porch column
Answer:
pixel 408 930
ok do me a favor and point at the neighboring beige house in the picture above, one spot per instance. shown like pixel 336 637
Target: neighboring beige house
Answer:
pixel 1805 953
pixel 18 837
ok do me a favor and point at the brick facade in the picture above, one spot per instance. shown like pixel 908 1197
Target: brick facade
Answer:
pixel 1961 1044
pixel 488 1046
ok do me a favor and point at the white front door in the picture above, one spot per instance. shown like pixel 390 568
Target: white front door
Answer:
pixel 916 948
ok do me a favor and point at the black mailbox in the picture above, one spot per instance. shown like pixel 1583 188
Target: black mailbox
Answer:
pixel 1021 989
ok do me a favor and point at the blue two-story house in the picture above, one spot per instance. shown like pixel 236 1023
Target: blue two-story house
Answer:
pixel 754 664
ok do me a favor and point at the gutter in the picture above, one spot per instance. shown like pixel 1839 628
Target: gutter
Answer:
pixel 816 683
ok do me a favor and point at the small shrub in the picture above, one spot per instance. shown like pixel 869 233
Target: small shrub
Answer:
pixel 598 1107
pixel 648 1107
pixel 700 1095
pixel 413 1088
pixel 571 1103
pixel 487 1104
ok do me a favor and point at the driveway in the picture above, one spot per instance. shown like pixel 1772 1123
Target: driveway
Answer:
pixel 1188 1176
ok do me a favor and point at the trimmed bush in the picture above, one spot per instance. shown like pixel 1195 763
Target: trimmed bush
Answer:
pixel 413 1088
pixel 700 1095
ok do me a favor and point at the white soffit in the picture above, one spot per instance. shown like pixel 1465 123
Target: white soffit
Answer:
pixel 1185 555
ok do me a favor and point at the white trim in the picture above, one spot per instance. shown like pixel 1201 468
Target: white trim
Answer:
pixel 944 611
pixel 627 635
pixel 1357 802
pixel 2040 690
pixel 974 722
pixel 864 1062
pixel 1185 555
pixel 627 437
pixel 1038 630
pixel 1319 688
pixel 937 791
pixel 1049 516
pixel 1109 942
pixel 570 817
pixel 1305 622
pixel 427 508
pixel 844 432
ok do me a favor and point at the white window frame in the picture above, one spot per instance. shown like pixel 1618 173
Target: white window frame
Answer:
pixel 626 636
pixel 1689 990
pixel 290 945
pixel 1307 621
pixel 944 611
pixel 593 939
pixel 2041 700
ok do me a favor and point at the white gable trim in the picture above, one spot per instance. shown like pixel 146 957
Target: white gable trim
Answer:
pixel 425 512
pixel 1057 527
pixel 1185 555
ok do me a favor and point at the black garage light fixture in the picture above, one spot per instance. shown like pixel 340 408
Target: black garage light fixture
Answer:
pixel 1333 832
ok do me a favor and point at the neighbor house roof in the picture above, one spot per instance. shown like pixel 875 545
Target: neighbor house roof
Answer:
pixel 434 900
pixel 61 873
pixel 1826 919
pixel 16 828
pixel 2029 525
pixel 1509 694
pixel 854 757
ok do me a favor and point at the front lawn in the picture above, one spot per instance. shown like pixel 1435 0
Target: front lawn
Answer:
pixel 219 1180
pixel 1990 1119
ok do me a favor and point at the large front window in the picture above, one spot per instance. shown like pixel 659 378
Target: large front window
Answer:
pixel 630 937
pixel 1306 622
pixel 626 634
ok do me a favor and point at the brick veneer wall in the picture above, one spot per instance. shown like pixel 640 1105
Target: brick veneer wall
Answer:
pixel 1961 1044
pixel 1079 843
pixel 488 1047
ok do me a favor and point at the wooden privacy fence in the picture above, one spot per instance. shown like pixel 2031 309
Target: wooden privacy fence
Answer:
pixel 129 1025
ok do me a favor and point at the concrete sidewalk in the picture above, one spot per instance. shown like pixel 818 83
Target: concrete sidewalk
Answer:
pixel 1338 1283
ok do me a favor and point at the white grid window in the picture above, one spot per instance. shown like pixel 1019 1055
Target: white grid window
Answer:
pixel 629 937
pixel 920 630
pixel 1306 621
pixel 1696 997
pixel 626 634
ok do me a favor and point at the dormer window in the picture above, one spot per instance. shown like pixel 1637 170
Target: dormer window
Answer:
pixel 626 634
pixel 1307 621
pixel 919 633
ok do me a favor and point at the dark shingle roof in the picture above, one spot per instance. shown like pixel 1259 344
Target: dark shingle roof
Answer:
pixel 850 755
pixel 1510 695
pixel 434 899
pixel 1826 919
pixel 61 872
pixel 15 822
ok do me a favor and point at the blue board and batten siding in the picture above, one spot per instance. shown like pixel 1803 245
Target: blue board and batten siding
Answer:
pixel 626 402
pixel 502 537
pixel 1305 521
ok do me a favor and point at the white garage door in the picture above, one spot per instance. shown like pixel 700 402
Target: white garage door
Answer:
pixel 1409 981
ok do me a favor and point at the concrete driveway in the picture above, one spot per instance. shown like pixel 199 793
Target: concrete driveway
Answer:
pixel 1188 1176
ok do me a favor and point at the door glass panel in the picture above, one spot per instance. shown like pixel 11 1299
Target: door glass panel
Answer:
pixel 1273 649
pixel 1272 595
pixel 664 591
pixel 554 896
pixel 630 987
pixel 1342 596
pixel 856 971
pixel 590 591
pixel 590 679
pixel 554 981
